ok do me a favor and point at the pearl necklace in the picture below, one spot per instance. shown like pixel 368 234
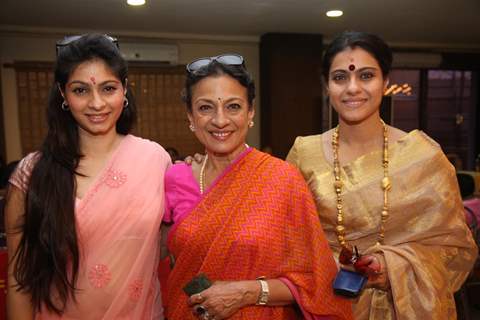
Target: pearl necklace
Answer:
pixel 202 174
pixel 338 184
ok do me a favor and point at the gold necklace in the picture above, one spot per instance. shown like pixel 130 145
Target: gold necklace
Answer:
pixel 338 185
pixel 202 174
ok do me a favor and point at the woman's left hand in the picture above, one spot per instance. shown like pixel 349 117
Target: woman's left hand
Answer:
pixel 223 299
pixel 374 266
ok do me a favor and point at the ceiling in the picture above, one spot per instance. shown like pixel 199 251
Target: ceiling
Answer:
pixel 436 23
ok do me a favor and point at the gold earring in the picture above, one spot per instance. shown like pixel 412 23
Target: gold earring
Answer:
pixel 192 128
pixel 251 124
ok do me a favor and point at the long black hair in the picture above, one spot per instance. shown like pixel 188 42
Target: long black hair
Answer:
pixel 48 254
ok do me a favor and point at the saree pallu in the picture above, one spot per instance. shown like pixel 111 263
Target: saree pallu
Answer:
pixel 118 222
pixel 257 219
pixel 428 248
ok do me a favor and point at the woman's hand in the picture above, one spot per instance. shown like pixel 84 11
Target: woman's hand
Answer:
pixel 223 299
pixel 374 266
pixel 198 158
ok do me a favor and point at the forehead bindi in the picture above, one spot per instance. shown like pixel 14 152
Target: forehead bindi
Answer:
pixel 353 59
pixel 93 72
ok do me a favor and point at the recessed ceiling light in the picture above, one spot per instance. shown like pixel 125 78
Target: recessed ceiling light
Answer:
pixel 136 2
pixel 334 13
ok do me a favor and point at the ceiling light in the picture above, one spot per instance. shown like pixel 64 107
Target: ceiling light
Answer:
pixel 334 13
pixel 136 2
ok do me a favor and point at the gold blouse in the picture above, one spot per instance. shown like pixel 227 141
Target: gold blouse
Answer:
pixel 428 248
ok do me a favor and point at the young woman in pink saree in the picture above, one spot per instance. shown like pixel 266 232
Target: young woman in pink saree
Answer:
pixel 243 218
pixel 83 214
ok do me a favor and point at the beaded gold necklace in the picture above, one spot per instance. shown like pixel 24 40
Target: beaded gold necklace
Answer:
pixel 338 185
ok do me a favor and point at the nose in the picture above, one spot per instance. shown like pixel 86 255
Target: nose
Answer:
pixel 96 101
pixel 220 118
pixel 353 85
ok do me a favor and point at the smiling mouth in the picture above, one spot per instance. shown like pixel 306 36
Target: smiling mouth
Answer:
pixel 221 135
pixel 97 118
pixel 354 103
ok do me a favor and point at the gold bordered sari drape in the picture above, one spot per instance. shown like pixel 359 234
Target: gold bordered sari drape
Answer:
pixel 428 248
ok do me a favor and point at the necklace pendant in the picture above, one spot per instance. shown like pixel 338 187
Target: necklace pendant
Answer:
pixel 386 184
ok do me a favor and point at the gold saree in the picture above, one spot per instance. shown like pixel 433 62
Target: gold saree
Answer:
pixel 428 248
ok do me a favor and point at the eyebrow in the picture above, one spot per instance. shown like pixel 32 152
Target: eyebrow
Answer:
pixel 356 70
pixel 213 100
pixel 88 84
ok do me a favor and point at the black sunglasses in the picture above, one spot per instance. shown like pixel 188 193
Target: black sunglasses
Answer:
pixel 229 59
pixel 69 39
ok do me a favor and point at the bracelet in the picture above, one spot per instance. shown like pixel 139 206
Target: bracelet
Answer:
pixel 264 292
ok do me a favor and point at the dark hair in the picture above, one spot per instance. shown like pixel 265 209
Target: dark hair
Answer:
pixel 354 39
pixel 48 253
pixel 174 155
pixel 214 69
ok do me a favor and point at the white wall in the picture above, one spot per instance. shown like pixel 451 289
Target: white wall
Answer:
pixel 28 46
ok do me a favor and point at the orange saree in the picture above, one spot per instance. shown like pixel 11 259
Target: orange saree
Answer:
pixel 257 219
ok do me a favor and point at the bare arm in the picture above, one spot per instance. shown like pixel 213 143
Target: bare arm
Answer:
pixel 18 303
pixel 225 298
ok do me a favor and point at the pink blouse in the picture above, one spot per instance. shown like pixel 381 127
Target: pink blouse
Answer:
pixel 182 192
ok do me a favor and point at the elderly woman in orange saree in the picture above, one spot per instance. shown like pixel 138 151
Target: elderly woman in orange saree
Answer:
pixel 243 218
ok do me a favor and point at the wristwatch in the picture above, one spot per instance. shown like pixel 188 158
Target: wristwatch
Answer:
pixel 264 293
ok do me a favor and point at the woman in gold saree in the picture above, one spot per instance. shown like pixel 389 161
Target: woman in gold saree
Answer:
pixel 242 217
pixel 391 194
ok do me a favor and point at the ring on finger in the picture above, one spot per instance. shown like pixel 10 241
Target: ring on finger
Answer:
pixel 201 310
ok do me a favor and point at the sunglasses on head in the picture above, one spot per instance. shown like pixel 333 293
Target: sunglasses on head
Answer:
pixel 230 59
pixel 69 39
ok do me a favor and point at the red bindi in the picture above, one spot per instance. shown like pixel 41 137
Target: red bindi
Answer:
pixel 351 67
pixel 92 79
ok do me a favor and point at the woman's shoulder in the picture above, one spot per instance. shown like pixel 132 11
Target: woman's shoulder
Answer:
pixel 416 139
pixel 308 151
pixel 20 178
pixel 143 142
pixel 179 169
pixel 304 142
pixel 145 145
pixel 29 161
pixel 177 173
pixel 282 167
pixel 425 138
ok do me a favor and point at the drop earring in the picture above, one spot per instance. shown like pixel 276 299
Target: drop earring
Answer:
pixel 251 124
pixel 192 128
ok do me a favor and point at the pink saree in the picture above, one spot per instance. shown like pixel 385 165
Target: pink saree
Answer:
pixel 118 223
pixel 257 219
